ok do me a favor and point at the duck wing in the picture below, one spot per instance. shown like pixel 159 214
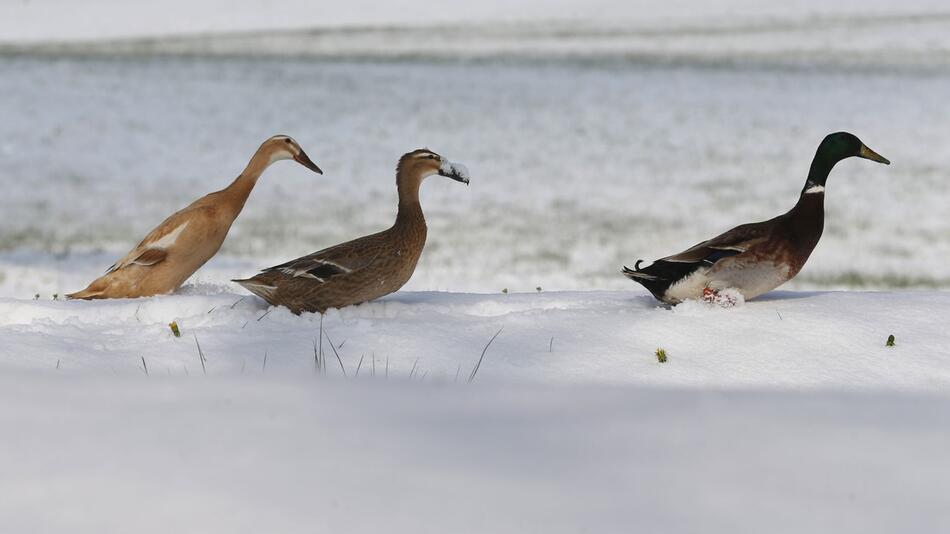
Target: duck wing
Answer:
pixel 332 262
pixel 736 241
pixel 154 248
pixel 663 273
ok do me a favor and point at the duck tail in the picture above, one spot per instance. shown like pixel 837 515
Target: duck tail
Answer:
pixel 637 273
pixel 258 287
pixel 95 290
pixel 656 277
pixel 85 294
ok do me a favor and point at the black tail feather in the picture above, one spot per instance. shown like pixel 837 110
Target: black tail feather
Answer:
pixel 659 275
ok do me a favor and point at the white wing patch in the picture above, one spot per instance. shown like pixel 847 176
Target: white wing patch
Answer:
pixel 337 265
pixel 170 238
pixel 297 273
pixel 304 272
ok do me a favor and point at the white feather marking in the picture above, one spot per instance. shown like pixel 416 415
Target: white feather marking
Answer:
pixel 170 238
pixel 751 280
pixel 815 189
pixel 690 287
pixel 337 265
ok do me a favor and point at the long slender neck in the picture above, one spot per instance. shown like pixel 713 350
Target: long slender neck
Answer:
pixel 241 187
pixel 410 211
pixel 818 173
pixel 806 220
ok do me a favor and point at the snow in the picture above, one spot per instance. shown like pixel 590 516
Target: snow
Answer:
pixel 790 408
pixel 456 169
pixel 797 340
pixel 157 455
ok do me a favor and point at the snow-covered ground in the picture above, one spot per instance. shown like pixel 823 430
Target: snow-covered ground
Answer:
pixel 787 414
pixel 257 455
pixel 596 133
pixel 797 340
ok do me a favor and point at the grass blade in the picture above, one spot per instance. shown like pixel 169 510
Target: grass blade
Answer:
pixel 201 356
pixel 482 357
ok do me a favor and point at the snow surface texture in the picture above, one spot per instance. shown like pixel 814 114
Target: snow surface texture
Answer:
pixel 788 339
pixel 789 408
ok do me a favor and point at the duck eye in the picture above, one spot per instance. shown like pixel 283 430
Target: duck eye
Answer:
pixel 287 140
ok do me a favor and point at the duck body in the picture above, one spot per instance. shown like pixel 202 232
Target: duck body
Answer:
pixel 187 239
pixel 168 255
pixel 758 257
pixel 350 273
pixel 366 268
pixel 752 258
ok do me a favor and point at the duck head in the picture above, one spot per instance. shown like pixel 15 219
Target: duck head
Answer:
pixel 834 148
pixel 422 163
pixel 417 165
pixel 285 147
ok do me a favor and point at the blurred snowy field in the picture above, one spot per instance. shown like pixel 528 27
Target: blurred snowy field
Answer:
pixel 596 134
pixel 577 167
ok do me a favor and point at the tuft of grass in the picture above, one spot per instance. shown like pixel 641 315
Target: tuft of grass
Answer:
pixel 144 367
pixel 890 341
pixel 538 289
pixel 661 355
pixel 174 326
pixel 505 290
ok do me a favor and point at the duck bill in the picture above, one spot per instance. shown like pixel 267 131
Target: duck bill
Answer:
pixel 455 171
pixel 867 153
pixel 303 159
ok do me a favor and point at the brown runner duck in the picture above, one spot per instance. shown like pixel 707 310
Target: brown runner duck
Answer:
pixel 366 268
pixel 183 242
pixel 758 257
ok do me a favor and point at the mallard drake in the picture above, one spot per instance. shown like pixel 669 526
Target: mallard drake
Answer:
pixel 366 268
pixel 183 242
pixel 757 257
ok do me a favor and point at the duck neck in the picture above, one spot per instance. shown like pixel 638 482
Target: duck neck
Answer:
pixel 818 173
pixel 807 218
pixel 410 210
pixel 240 189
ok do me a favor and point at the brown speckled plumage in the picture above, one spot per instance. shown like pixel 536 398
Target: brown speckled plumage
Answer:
pixel 363 269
